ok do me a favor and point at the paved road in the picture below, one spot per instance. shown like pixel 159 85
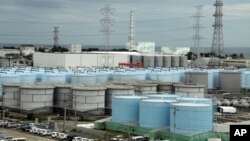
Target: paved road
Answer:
pixel 29 137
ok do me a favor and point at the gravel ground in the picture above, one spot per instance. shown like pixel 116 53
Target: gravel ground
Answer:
pixel 29 137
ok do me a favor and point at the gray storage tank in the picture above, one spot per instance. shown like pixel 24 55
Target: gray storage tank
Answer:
pixel 175 61
pixel 158 61
pixel 63 96
pixel 88 97
pixel 135 59
pixel 183 61
pixel 11 95
pixel 166 86
pixel 36 96
pixel 167 61
pixel 226 78
pixel 148 61
pixel 117 90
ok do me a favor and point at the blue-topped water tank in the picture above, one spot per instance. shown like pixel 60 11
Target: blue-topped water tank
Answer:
pixel 126 108
pixel 163 96
pixel 83 78
pixel 155 113
pixel 27 78
pixel 191 118
pixel 54 78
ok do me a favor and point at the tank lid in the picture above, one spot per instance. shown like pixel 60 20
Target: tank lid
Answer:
pixel 11 85
pixel 190 105
pixel 190 98
pixel 130 97
pixel 159 100
pixel 89 87
pixel 189 86
pixel 33 86
pixel 120 87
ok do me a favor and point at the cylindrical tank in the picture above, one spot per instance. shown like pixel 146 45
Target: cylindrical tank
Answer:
pixel 27 78
pixel 136 59
pixel 183 61
pixel 190 90
pixel 144 88
pixel 11 95
pixel 36 96
pixel 126 108
pixel 163 96
pixel 158 61
pixel 88 97
pixel 148 61
pixel 155 113
pixel 191 118
pixel 167 61
pixel 195 100
pixel 63 96
pixel 79 78
pixel 166 86
pixel 201 78
pixel 226 78
pixel 218 103
pixel 175 61
pixel 226 102
pixel 117 90
pixel 54 78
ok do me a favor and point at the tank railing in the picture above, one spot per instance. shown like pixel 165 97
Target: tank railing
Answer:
pixel 19 71
pixel 37 70
pixel 118 71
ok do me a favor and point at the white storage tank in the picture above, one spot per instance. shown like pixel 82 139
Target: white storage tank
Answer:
pixel 88 97
pixel 117 90
pixel 183 61
pixel 36 96
pixel 155 113
pixel 63 96
pixel 11 95
pixel 126 108
pixel 144 87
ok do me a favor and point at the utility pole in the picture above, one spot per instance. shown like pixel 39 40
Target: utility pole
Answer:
pixel 131 36
pixel 65 112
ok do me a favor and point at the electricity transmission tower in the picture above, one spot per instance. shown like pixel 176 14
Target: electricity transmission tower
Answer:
pixel 56 37
pixel 197 61
pixel 107 23
pixel 218 43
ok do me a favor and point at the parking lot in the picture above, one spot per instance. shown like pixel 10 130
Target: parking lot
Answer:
pixel 28 136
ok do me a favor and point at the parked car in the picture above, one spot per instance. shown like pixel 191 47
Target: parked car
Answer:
pixel 62 136
pixel 45 132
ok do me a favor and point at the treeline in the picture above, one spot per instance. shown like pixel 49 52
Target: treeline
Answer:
pixel 191 55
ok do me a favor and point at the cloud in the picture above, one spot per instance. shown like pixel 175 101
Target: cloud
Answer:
pixel 237 11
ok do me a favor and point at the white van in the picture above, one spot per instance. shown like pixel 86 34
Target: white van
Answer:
pixel 19 139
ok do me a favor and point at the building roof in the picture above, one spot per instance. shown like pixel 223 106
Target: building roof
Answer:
pixel 228 109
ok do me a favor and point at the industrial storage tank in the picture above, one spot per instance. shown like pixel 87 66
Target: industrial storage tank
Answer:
pixel 166 86
pixel 123 76
pixel 158 61
pixel 36 96
pixel 148 61
pixel 167 61
pixel 63 96
pixel 200 77
pixel 8 78
pixel 195 100
pixel 163 96
pixel 117 90
pixel 83 78
pixel 126 108
pixel 136 59
pixel 11 95
pixel 88 97
pixel 183 61
pixel 191 118
pixel 226 78
pixel 190 90
pixel 175 61
pixel 141 87
pixel 54 78
pixel 155 113
pixel 27 78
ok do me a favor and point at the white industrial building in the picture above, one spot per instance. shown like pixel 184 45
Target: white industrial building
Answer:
pixel 75 48
pixel 92 59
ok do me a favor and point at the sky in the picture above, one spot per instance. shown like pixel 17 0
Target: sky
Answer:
pixel 165 22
